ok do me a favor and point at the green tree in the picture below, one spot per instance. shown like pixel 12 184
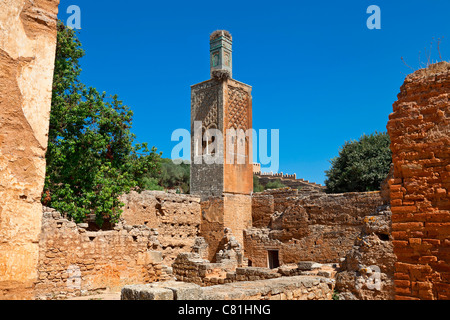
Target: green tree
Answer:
pixel 175 176
pixel 91 155
pixel 257 186
pixel 361 165
pixel 151 183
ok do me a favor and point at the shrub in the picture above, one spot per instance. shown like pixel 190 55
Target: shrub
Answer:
pixel 257 186
pixel 276 184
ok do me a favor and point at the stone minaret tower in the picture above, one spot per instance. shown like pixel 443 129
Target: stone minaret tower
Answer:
pixel 221 163
pixel 221 103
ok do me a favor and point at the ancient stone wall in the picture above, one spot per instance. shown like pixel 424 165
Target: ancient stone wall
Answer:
pixel 74 261
pixel 176 217
pixel 311 227
pixel 419 129
pixel 264 204
pixel 27 54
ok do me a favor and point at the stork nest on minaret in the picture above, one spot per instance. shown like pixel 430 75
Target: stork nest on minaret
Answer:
pixel 221 74
pixel 220 33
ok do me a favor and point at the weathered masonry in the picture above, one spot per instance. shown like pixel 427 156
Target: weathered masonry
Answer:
pixel 74 260
pixel 289 226
pixel 177 217
pixel 419 129
pixel 27 55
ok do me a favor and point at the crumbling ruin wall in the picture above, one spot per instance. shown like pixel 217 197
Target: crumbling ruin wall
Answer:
pixel 419 129
pixel 263 206
pixel 367 273
pixel 27 55
pixel 176 217
pixel 310 227
pixel 74 261
pixel 189 267
pixel 193 267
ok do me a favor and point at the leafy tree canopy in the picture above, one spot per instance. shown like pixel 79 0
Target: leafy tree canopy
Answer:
pixel 92 157
pixel 171 176
pixel 361 165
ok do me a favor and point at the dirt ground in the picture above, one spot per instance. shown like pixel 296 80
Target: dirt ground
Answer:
pixel 104 296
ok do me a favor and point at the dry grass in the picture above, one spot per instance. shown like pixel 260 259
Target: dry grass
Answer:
pixel 431 70
pixel 430 66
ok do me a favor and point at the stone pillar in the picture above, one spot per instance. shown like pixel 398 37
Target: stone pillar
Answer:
pixel 237 214
pixel 419 129
pixel 27 55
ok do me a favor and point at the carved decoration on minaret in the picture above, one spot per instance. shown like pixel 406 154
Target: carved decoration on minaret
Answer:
pixel 205 104
pixel 237 113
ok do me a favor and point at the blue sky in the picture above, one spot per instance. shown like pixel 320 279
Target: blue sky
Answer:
pixel 319 75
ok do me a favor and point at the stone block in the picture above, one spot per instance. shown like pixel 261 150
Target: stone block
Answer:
pixel 308 265
pixel 183 290
pixel 326 274
pixel 146 292
pixel 153 257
